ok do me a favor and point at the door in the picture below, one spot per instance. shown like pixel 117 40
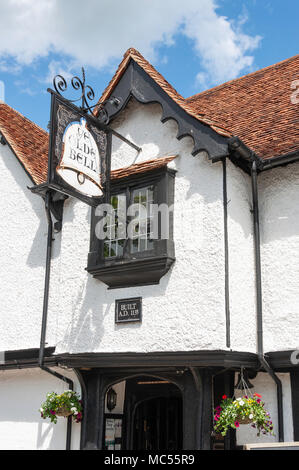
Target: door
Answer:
pixel 157 424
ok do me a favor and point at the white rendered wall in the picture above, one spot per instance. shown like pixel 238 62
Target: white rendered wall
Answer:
pixel 21 427
pixel 241 260
pixel 186 311
pixel 23 235
pixel 279 213
pixel 264 385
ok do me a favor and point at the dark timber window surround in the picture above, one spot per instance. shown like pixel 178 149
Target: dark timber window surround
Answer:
pixel 141 260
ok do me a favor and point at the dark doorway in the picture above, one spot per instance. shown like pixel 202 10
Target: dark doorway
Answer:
pixel 153 414
pixel 157 424
pixel 179 400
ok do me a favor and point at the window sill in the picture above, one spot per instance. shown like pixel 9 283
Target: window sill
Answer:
pixel 131 273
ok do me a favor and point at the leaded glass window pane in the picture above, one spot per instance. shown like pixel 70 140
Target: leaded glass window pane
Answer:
pixel 115 227
pixel 142 237
pixel 143 232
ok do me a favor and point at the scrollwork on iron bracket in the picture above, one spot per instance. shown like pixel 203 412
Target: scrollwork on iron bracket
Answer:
pixel 87 94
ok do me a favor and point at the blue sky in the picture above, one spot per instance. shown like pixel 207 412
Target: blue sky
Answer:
pixel 195 44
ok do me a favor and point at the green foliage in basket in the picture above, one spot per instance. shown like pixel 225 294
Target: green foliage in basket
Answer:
pixel 232 412
pixel 68 401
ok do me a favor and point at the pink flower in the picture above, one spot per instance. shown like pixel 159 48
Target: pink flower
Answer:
pixel 237 424
pixel 216 418
pixel 224 397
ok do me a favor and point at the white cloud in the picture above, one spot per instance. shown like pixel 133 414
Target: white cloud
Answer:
pixel 221 45
pixel 60 67
pixel 96 33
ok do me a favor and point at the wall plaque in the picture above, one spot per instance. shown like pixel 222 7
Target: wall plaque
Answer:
pixel 128 310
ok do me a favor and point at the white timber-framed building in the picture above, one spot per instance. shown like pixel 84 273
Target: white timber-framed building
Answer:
pixel 219 296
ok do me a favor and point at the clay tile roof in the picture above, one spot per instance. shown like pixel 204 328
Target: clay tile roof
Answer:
pixel 30 144
pixel 28 141
pixel 142 167
pixel 257 108
pixel 160 80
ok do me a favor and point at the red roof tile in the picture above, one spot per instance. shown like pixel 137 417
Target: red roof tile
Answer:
pixel 257 108
pixel 142 167
pixel 28 141
pixel 30 144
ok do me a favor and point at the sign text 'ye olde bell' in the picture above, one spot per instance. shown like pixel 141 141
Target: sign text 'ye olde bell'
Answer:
pixel 80 161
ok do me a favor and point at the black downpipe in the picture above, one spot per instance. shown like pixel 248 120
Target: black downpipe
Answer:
pixel 259 301
pixel 226 259
pixel 45 315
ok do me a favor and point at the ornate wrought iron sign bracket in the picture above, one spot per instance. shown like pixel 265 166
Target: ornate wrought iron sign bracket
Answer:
pixel 86 94
pixel 80 144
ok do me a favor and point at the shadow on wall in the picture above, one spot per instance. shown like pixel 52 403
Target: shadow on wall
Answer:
pixel 198 196
pixel 278 189
pixel 239 199
pixel 90 308
pixel 148 124
pixel 93 302
pixel 86 318
pixel 35 257
pixel 37 254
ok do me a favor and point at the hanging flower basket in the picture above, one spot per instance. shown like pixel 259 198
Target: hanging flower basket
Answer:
pixel 63 411
pixel 233 412
pixel 66 404
pixel 246 420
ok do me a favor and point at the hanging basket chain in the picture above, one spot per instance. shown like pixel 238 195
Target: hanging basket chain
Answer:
pixel 242 385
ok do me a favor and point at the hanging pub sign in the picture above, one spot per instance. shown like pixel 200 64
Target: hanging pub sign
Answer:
pixel 80 161
pixel 79 149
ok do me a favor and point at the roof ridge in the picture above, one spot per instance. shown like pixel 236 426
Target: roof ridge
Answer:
pixel 223 85
pixel 135 55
